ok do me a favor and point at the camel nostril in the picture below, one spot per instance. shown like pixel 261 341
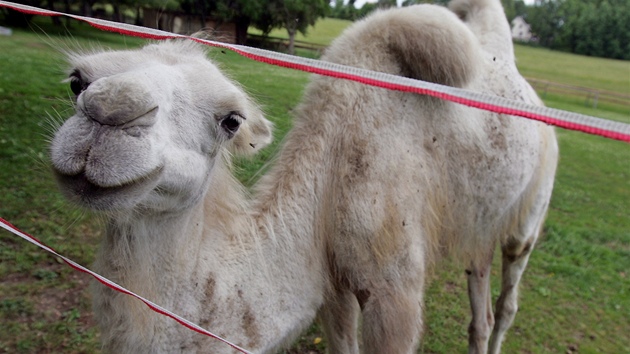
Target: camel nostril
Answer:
pixel 143 120
pixel 137 126
pixel 117 101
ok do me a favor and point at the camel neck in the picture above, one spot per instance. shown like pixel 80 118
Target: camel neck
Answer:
pixel 286 260
pixel 247 270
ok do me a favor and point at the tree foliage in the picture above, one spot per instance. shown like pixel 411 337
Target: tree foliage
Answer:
pixel 596 28
pixel 417 2
pixel 242 12
pixel 349 11
pixel 293 15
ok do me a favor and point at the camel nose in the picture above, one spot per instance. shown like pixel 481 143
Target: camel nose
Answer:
pixel 118 100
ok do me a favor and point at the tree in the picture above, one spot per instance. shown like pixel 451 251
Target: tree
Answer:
pixel 293 15
pixel 350 12
pixel 365 10
pixel 596 28
pixel 14 18
pixel 416 2
pixel 344 11
pixel 386 4
pixel 545 20
pixel 520 9
pixel 509 9
pixel 600 30
pixel 241 12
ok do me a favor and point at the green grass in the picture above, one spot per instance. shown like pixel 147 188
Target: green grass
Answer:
pixel 576 70
pixel 575 293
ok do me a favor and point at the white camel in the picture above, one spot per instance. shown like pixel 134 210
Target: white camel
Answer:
pixel 370 189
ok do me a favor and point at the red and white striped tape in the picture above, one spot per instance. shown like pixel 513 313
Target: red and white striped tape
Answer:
pixel 559 118
pixel 157 308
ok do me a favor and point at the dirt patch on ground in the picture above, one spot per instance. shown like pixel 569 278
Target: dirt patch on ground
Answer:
pixel 451 287
pixel 57 302
pixel 46 309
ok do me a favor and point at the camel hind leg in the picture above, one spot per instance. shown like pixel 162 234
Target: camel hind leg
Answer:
pixel 515 255
pixel 340 317
pixel 481 307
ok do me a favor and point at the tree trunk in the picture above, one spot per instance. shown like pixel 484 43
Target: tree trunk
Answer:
pixel 242 24
pixel 201 6
pixel 116 15
pixel 87 8
pixel 55 19
pixel 291 41
pixel 67 9
pixel 138 21
pixel 15 18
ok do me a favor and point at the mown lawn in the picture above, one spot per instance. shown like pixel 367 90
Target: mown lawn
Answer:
pixel 577 70
pixel 575 296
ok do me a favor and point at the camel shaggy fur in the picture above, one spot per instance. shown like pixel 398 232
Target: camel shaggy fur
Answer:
pixel 369 190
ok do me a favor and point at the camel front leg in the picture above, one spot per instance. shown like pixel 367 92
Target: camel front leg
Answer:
pixel 481 306
pixel 340 316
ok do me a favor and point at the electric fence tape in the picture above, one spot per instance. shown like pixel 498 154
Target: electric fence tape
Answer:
pixel 157 308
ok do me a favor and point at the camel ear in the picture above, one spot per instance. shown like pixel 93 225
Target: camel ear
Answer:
pixel 254 133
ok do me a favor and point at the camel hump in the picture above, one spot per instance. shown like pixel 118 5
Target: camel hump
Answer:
pixel 487 21
pixel 424 42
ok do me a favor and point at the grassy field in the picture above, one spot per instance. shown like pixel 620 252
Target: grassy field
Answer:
pixel 577 70
pixel 575 295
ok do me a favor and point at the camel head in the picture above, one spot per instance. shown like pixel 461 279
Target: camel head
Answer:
pixel 150 126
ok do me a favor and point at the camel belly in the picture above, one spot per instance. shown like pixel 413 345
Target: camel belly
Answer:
pixel 402 196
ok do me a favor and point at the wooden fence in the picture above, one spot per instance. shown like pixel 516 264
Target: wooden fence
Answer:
pixel 277 43
pixel 591 96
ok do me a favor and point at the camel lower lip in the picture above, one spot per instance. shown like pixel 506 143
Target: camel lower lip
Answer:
pixel 87 194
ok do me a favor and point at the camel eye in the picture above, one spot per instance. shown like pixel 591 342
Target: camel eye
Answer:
pixel 231 123
pixel 77 85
